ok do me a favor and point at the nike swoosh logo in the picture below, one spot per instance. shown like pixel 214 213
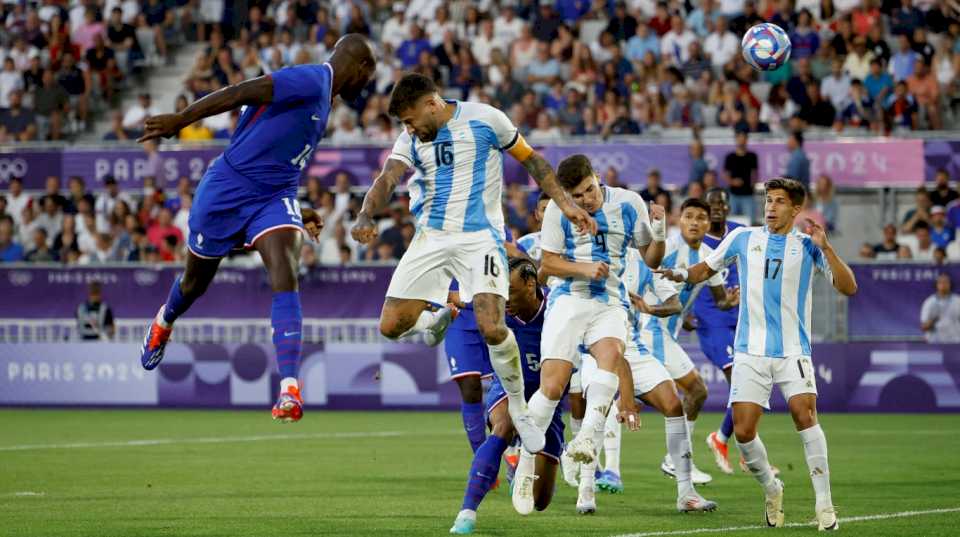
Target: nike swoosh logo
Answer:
pixel 315 117
pixel 288 334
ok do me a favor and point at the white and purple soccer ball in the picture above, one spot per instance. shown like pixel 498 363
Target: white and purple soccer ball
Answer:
pixel 765 47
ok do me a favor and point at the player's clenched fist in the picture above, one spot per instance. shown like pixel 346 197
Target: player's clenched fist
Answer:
pixel 581 219
pixel 161 126
pixel 312 222
pixel 365 230
pixel 596 271
pixel 658 222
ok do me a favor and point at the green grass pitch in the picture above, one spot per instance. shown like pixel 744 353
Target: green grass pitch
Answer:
pixel 235 473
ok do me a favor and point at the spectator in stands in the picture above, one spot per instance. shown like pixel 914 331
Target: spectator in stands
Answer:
pixel 675 44
pixel 123 40
pixel 940 313
pixel 137 114
pixel 923 85
pixel 804 40
pixel 661 20
pixel 818 111
pixel 900 108
pixel 878 83
pixel 721 45
pixel 17 199
pixel 697 63
pixel 10 80
pixel 162 228
pixel 10 250
pixel 396 28
pixel 74 81
pixel 77 195
pixel 610 178
pixel 940 233
pixel 921 243
pixel 942 193
pixel 654 186
pixel 50 103
pixel 684 112
pixel 905 19
pixel 921 212
pixel 824 201
pixel 83 34
pixel 836 86
pixel 94 317
pixel 887 250
pixel 778 108
pixel 857 63
pixel 857 111
pixel 751 122
pixel 740 172
pixel 409 51
pixel 40 251
pixel 107 200
pixel 646 41
pixel 698 164
pixel 19 123
pixel 543 70
pixel 67 241
pixel 904 61
pixel 622 26
pixel 798 165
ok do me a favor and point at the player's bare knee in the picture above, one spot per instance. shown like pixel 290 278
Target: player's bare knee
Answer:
pixel 744 432
pixel 471 389
pixel 391 328
pixel 804 418
pixel 502 428
pixel 698 393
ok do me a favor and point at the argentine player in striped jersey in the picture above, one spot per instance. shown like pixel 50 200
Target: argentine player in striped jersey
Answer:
pixel 530 243
pixel 456 149
pixel 588 303
pixel 661 319
pixel 772 344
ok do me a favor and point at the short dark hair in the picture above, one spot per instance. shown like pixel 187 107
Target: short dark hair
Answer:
pixel 408 90
pixel 543 196
pixel 798 136
pixel 573 169
pixel 695 202
pixel 717 191
pixel 921 224
pixel 526 267
pixel 794 189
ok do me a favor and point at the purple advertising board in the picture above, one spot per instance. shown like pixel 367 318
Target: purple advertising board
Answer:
pixel 137 292
pixel 862 377
pixel 881 162
pixel 889 298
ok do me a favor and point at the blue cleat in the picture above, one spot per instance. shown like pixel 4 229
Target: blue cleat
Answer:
pixel 465 522
pixel 610 482
pixel 154 343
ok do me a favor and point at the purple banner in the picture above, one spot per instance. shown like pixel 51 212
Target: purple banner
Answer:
pixel 862 377
pixel 889 298
pixel 941 154
pixel 137 292
pixel 885 162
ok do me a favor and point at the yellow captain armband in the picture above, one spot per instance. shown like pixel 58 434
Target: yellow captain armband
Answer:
pixel 519 148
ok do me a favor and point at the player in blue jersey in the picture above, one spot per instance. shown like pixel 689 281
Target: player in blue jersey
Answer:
pixel 456 149
pixel 772 345
pixel 248 196
pixel 525 310
pixel 715 326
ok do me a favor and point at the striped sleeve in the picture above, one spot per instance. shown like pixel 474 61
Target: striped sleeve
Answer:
pixel 727 250
pixel 403 149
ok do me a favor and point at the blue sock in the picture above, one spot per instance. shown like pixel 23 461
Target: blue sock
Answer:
pixel 726 429
pixel 177 304
pixel 287 321
pixel 483 471
pixel 474 423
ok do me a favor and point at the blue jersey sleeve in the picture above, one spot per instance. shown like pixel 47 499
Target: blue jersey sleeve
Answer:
pixel 302 82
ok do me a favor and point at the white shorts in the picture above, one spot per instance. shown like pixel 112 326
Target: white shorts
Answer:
pixel 647 371
pixel 666 349
pixel 754 377
pixel 571 321
pixel 475 259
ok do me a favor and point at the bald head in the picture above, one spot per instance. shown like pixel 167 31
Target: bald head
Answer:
pixel 354 63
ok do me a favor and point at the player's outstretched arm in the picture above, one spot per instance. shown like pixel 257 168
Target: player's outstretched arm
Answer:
pixel 255 91
pixel 723 298
pixel 671 306
pixel 553 264
pixel 542 172
pixel 377 199
pixel 654 251
pixel 843 278
pixel 700 272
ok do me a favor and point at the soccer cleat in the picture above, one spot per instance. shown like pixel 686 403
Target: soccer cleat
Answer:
pixel 154 342
pixel 512 461
pixel 609 481
pixel 581 449
pixel 697 476
pixel 571 469
pixel 586 501
pixel 464 524
pixel 521 494
pixel 827 519
pixel 435 334
pixel 531 436
pixel 694 502
pixel 289 407
pixel 720 453
pixel 773 506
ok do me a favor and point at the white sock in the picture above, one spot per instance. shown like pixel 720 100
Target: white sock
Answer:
pixel 690 426
pixel 755 456
pixel 541 409
pixel 575 426
pixel 288 382
pixel 527 463
pixel 678 446
pixel 815 448
pixel 505 359
pixel 467 513
pixel 424 321
pixel 611 441
pixel 599 395
pixel 722 437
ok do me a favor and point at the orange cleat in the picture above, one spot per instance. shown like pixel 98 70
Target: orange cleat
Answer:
pixel 289 407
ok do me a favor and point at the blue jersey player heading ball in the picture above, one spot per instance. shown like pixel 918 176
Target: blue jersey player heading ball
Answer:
pixel 248 196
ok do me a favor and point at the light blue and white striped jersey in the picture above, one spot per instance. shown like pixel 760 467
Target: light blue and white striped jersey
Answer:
pixel 622 221
pixel 776 294
pixel 640 280
pixel 458 179
pixel 679 254
pixel 530 243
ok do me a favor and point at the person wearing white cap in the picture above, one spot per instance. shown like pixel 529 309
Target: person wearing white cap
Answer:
pixel 940 231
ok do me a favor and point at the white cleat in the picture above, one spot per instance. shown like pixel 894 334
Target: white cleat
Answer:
pixel 586 501
pixel 581 449
pixel 693 503
pixel 571 469
pixel 773 507
pixel 827 519
pixel 435 334
pixel 697 476
pixel 522 493
pixel 531 436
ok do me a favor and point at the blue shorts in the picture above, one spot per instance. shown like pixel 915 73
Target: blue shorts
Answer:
pixel 554 435
pixel 230 211
pixel 467 352
pixel 716 342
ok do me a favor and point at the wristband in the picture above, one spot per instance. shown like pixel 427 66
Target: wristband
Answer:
pixel 658 229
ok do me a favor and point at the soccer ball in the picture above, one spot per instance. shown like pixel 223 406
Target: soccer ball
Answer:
pixel 765 47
